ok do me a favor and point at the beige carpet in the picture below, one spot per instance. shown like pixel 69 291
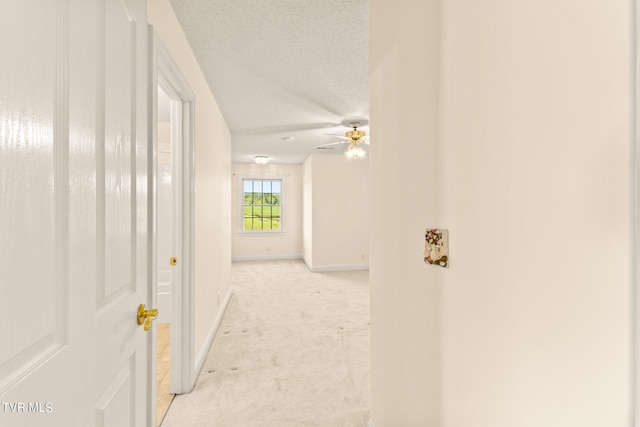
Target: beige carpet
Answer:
pixel 292 351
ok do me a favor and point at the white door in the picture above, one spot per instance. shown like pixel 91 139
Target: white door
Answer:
pixel 74 226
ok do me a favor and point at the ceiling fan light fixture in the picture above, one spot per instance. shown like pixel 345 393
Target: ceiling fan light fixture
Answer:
pixel 261 160
pixel 355 135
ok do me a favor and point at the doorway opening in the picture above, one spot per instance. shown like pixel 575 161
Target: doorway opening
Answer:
pixel 165 231
pixel 173 237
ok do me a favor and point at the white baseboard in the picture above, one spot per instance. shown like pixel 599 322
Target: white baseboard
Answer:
pixel 328 268
pixel 212 332
pixel 342 267
pixel 306 263
pixel 265 257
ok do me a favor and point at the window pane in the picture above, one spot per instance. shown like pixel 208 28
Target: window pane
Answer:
pixel 277 191
pixel 253 218
pixel 257 221
pixel 247 218
pixel 276 217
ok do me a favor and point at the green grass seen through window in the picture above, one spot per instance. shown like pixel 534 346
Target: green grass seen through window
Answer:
pixel 261 217
pixel 261 204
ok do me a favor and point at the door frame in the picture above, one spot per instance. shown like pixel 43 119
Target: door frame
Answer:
pixel 167 75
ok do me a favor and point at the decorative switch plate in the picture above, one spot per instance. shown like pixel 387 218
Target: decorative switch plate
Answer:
pixel 436 247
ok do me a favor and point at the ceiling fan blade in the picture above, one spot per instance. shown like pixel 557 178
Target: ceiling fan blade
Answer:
pixel 336 135
pixel 331 143
pixel 248 131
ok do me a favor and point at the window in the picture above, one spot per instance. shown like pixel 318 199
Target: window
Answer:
pixel 261 204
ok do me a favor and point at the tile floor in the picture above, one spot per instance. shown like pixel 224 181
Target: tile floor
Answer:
pixel 164 353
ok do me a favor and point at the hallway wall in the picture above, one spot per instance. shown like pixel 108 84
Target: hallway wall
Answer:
pixel 212 180
pixel 515 127
pixel 538 330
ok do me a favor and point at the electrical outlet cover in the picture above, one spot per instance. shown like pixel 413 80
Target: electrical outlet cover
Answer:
pixel 436 246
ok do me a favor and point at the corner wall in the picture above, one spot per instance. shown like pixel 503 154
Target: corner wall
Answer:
pixel 511 121
pixel 406 366
pixel 340 212
pixel 212 179
pixel 307 210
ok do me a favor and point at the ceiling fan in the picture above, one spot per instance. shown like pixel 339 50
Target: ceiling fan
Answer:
pixel 355 138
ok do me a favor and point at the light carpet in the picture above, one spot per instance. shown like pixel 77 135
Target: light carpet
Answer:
pixel 292 351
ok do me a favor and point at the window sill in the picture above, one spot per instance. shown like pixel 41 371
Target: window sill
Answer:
pixel 259 233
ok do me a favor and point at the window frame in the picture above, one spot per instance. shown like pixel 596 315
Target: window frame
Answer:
pixel 240 216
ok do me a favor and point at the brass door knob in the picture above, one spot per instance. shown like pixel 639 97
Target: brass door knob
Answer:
pixel 173 261
pixel 146 316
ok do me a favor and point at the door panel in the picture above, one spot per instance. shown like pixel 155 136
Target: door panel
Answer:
pixel 74 227
pixel 116 144
pixel 115 407
pixel 30 200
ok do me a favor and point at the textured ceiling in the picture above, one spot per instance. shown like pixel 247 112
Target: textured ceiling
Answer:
pixel 282 68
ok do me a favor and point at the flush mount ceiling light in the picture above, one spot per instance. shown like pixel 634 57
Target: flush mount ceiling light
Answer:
pixel 261 160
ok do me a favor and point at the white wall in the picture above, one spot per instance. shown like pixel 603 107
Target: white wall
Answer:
pixel 213 172
pixel 542 133
pixel 269 245
pixel 325 213
pixel 336 213
pixel 514 130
